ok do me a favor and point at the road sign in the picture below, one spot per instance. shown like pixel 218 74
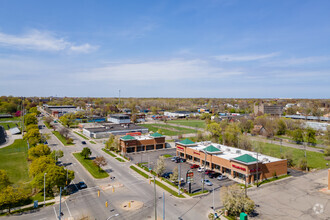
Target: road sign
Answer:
pixel 190 176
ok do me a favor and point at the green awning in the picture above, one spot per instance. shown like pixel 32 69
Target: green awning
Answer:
pixel 156 135
pixel 127 138
pixel 211 149
pixel 245 158
pixel 186 142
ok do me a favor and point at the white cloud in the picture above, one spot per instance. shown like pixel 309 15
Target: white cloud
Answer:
pixel 43 41
pixel 240 58
pixel 167 70
pixel 297 61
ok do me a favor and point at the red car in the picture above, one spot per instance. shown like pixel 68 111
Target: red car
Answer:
pixel 209 171
pixel 194 166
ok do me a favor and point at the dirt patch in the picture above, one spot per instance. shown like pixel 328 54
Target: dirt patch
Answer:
pixel 131 205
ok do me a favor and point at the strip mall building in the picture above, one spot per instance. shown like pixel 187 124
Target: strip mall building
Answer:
pixel 135 143
pixel 232 161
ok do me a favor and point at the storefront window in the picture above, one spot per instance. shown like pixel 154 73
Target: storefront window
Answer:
pixel 197 160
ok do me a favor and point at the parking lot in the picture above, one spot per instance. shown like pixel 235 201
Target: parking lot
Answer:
pixel 152 157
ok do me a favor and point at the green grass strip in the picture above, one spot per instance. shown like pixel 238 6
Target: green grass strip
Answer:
pixel 61 138
pixel 169 190
pixel 198 193
pixel 81 135
pixel 272 179
pixel 92 142
pixel 139 172
pixel 119 159
pixel 90 167
pixel 167 155
pixel 47 125
pixel 108 152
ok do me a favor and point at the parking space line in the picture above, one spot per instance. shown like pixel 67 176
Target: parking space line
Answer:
pixel 55 212
pixel 68 208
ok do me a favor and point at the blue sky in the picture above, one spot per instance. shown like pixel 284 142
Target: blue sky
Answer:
pixel 195 48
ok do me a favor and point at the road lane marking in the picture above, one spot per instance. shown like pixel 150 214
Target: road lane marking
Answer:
pixel 68 208
pixel 55 212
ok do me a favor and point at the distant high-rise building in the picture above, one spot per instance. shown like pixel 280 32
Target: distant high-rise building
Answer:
pixel 274 110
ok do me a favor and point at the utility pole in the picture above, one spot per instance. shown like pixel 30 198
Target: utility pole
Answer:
pixel 66 177
pixel 45 189
pixel 163 206
pixel 179 177
pixel 119 96
pixel 213 202
pixel 59 215
pixel 155 198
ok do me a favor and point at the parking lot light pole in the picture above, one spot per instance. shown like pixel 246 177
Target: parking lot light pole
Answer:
pixel 213 202
pixel 203 177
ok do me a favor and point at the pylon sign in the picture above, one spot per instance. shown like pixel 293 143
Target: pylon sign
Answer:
pixel 190 176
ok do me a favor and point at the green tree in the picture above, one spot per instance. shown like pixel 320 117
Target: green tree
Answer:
pixel 33 136
pixel 215 129
pixel 231 134
pixel 11 197
pixel 34 110
pixel 39 165
pixel 244 143
pixel 56 154
pixel 298 135
pixel 55 177
pixel 31 126
pixel 302 163
pixel 154 110
pixel 234 200
pixel 30 119
pixel 86 152
pixel 38 151
pixel 4 179
pixel 310 136
pixel 160 168
pixel 327 151
pixel 288 155
pixel 281 127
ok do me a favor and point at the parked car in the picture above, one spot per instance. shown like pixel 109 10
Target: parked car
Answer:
pixel 174 159
pixel 83 142
pixel 207 182
pixel 207 172
pixel 201 169
pixel 182 160
pixel 81 185
pixel 214 175
pixel 194 166
pixel 222 177
pixel 167 175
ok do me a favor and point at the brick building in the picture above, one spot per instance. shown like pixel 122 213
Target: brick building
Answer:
pixel 237 163
pixel 274 110
pixel 129 143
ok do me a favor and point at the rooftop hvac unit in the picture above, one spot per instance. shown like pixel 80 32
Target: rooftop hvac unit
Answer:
pixel 238 151
pixel 228 149
pixel 265 160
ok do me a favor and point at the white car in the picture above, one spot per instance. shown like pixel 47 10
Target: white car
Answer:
pixel 222 177
pixel 207 182
pixel 201 169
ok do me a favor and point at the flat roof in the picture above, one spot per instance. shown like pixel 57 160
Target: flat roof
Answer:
pixel 230 153
pixel 114 127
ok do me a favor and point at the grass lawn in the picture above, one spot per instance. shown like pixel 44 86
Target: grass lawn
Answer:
pixel 10 119
pixel 272 179
pixel 90 167
pixel 168 130
pixel 81 135
pixel 13 160
pixel 119 159
pixel 61 138
pixel 40 197
pixel 167 155
pixel 314 159
pixel 11 125
pixel 108 152
pixel 139 172
pixel 92 142
pixel 190 123
pixel 47 125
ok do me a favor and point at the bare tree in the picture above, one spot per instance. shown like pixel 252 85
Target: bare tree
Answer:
pixel 64 132
pixel 100 162
pixel 160 165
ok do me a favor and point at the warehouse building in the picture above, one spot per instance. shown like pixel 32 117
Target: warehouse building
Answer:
pixel 104 130
pixel 131 143
pixel 237 163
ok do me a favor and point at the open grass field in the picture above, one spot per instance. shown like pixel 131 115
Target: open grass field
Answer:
pixel 190 123
pixel 90 167
pixel 10 119
pixel 13 160
pixel 11 125
pixel 168 130
pixel 314 159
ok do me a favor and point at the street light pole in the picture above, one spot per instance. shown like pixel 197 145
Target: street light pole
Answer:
pixel 204 172
pixel 45 189
pixel 155 198
pixel 163 206
pixel 59 215
pixel 213 202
